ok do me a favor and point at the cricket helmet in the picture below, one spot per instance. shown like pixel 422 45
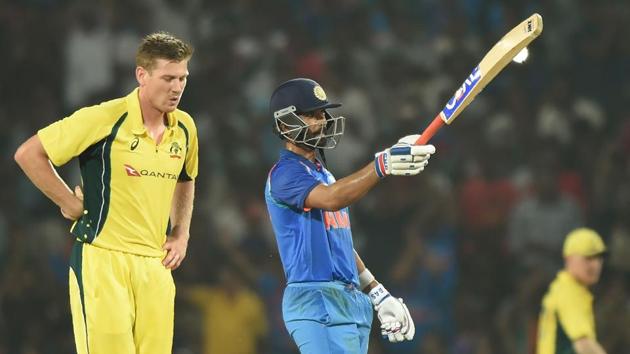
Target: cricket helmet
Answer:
pixel 301 97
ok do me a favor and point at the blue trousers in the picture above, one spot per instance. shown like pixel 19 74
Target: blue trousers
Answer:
pixel 327 317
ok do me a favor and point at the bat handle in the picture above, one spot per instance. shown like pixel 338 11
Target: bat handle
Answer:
pixel 428 133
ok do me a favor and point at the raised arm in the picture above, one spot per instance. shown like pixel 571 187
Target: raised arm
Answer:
pixel 343 192
pixel 402 159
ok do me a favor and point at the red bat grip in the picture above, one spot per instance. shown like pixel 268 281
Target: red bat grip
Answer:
pixel 430 131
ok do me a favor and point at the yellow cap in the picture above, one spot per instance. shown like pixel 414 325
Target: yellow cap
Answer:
pixel 584 242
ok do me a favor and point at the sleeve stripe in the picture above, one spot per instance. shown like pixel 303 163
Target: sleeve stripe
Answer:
pixel 95 164
pixel 181 125
pixel 183 175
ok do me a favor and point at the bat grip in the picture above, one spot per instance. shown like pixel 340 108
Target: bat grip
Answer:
pixel 428 133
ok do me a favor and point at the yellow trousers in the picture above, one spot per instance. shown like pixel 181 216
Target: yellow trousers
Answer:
pixel 121 303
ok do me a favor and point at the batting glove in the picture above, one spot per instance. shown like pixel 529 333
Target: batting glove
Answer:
pixel 396 322
pixel 404 158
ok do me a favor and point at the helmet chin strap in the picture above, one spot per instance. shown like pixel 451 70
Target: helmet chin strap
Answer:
pixel 322 157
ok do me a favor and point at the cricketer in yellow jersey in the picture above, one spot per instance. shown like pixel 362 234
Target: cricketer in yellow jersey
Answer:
pixel 566 324
pixel 138 159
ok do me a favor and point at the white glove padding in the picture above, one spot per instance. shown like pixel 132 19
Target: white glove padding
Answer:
pixel 409 139
pixel 404 158
pixel 396 322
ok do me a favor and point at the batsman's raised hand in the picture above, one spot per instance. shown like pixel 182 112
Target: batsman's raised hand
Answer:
pixel 404 158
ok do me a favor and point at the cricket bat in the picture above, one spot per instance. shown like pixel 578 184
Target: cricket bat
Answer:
pixel 491 64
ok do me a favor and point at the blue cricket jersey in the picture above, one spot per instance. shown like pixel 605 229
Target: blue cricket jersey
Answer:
pixel 315 245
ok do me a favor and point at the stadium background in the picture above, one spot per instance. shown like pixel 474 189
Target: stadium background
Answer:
pixel 470 244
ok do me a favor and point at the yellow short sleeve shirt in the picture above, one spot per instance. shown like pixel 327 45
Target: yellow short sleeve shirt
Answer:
pixel 128 179
pixel 566 316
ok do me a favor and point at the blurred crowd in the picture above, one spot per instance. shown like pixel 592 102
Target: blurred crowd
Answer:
pixel 470 244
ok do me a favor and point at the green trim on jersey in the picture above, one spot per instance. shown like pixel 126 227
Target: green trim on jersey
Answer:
pixel 76 263
pixel 563 343
pixel 566 316
pixel 96 168
pixel 183 176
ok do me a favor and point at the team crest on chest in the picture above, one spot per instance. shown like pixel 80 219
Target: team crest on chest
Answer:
pixel 175 150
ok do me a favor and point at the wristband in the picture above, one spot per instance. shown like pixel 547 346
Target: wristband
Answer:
pixel 380 164
pixel 365 278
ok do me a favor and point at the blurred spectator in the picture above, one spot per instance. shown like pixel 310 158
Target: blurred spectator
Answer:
pixel 619 204
pixel 540 221
pixel 613 315
pixel 4 242
pixel 486 199
pixel 425 272
pixel 233 317
pixel 89 57
pixel 517 315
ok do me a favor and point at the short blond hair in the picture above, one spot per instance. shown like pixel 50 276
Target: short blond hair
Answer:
pixel 162 45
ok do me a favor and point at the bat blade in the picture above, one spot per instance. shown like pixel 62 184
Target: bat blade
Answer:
pixel 492 63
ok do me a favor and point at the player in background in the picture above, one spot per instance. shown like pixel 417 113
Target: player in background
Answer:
pixel 138 159
pixel 567 323
pixel 325 306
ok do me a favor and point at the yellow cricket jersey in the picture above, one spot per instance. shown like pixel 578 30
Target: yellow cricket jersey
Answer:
pixel 128 180
pixel 566 316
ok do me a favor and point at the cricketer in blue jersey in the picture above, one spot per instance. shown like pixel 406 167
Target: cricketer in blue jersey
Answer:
pixel 327 305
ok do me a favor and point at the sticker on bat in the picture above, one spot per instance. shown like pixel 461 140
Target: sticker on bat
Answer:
pixel 460 95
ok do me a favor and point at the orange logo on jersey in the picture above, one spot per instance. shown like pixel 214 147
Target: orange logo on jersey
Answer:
pixel 131 171
pixel 336 220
